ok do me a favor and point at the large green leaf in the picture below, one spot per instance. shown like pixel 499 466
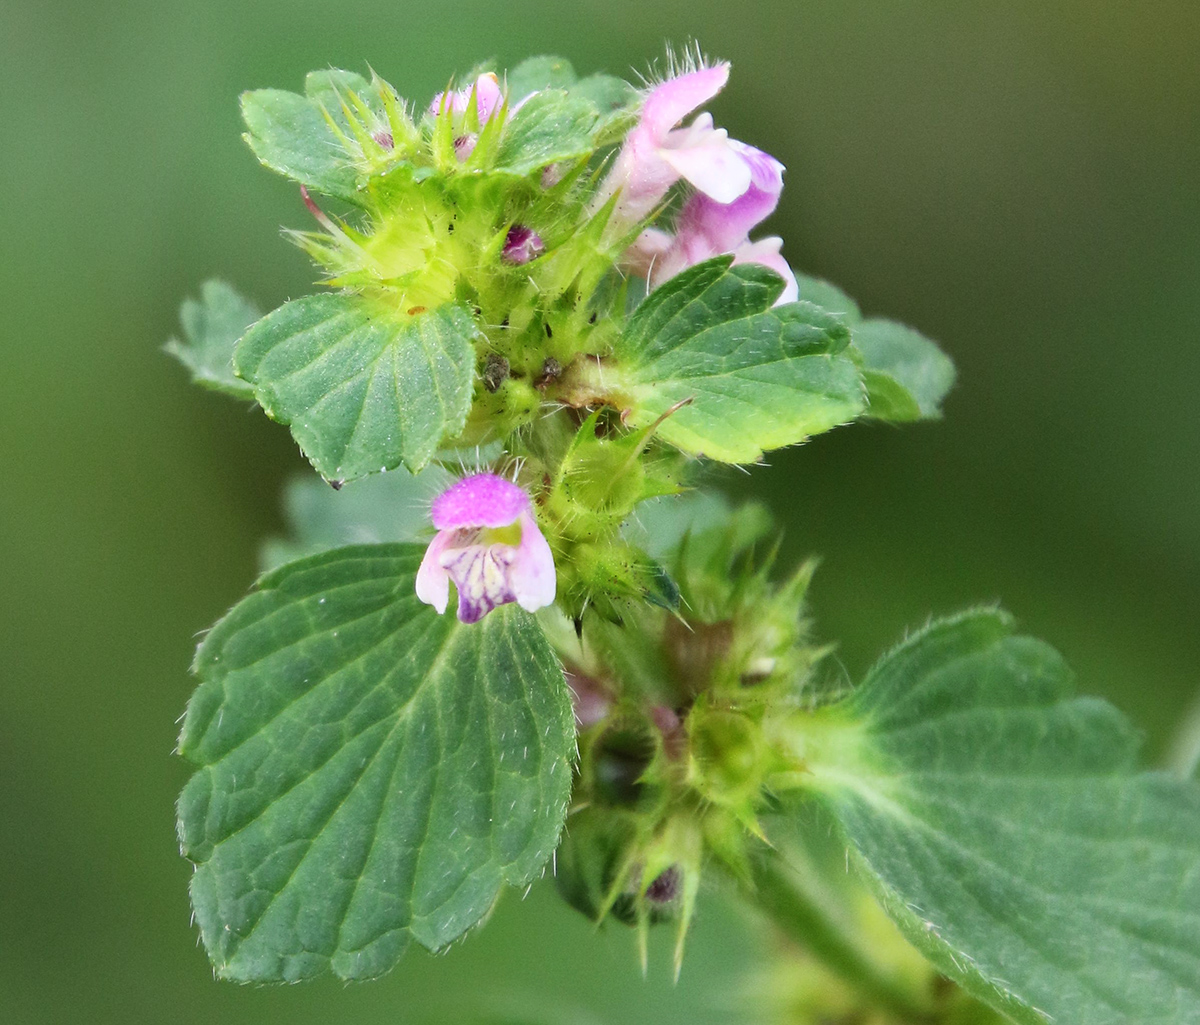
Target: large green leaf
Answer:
pixel 907 375
pixel 1006 829
pixel 363 388
pixel 760 376
pixel 370 772
pixel 211 328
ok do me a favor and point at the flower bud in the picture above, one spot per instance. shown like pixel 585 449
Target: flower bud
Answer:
pixel 522 245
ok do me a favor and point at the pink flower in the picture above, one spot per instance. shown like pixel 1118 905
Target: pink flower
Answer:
pixel 488 98
pixel 489 544
pixel 719 226
pixel 707 227
pixel 656 154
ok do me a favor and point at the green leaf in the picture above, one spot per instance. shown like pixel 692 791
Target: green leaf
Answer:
pixel 759 376
pixel 660 523
pixel 211 328
pixel 362 387
pixel 607 93
pixel 289 134
pixel 333 87
pixel 391 506
pixel 551 126
pixel 536 73
pixel 907 375
pixel 615 99
pixel 829 297
pixel 370 772
pixel 1005 828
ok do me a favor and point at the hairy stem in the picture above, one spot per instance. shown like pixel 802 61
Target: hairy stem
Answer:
pixel 780 895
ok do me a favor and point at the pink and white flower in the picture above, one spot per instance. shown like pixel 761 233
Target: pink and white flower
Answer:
pixel 706 228
pixel 656 153
pixel 736 186
pixel 489 544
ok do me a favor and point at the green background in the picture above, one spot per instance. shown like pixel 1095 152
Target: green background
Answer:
pixel 1018 180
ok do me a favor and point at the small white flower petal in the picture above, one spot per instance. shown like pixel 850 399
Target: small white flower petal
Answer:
pixel 713 166
pixel 433 583
pixel 531 575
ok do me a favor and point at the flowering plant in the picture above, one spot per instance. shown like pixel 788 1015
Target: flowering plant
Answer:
pixel 554 278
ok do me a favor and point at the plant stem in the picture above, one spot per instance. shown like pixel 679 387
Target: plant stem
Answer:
pixel 800 917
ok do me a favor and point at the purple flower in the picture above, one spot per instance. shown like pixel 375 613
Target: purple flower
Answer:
pixel 722 226
pixel 488 98
pixel 656 154
pixel 706 228
pixel 489 544
pixel 521 245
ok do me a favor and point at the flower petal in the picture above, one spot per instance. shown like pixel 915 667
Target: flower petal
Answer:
pixel 726 225
pixel 482 575
pixel 651 246
pixel 531 574
pixel 481 500
pixel 433 582
pixel 712 165
pixel 671 101
pixel 488 96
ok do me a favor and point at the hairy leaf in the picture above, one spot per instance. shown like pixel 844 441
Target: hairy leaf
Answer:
pixel 290 135
pixel 536 73
pixel 370 772
pixel 211 328
pixel 759 376
pixel 551 126
pixel 907 375
pixel 829 297
pixel 1005 828
pixel 363 388
pixel 607 93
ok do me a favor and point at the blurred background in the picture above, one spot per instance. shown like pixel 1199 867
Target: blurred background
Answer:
pixel 1019 180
